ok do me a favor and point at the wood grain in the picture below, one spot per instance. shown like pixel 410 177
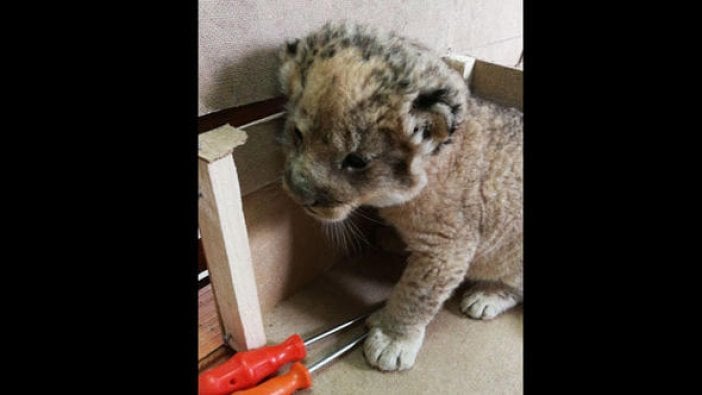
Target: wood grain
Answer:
pixel 209 333
pixel 497 83
pixel 226 245
pixel 237 116
pixel 218 356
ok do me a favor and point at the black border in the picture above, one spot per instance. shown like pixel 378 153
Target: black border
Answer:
pixel 111 263
pixel 118 293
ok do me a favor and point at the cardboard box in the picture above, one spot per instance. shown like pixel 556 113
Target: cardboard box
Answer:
pixel 302 282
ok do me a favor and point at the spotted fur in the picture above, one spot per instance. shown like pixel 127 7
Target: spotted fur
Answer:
pixel 442 166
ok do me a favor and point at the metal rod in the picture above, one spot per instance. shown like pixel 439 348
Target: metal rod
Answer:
pixel 329 358
pixel 333 330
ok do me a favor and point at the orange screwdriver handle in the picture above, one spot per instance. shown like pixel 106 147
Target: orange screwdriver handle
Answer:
pixel 298 378
pixel 247 368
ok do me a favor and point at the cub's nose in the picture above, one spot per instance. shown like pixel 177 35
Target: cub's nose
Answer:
pixel 300 188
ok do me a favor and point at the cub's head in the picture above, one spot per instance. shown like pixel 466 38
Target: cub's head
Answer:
pixel 365 112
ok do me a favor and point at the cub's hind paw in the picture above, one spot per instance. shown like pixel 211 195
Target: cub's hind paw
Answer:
pixel 486 304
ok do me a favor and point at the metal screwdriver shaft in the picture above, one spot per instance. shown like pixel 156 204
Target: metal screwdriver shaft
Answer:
pixel 327 333
pixel 331 357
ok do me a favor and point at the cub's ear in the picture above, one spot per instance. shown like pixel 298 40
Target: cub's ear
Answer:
pixel 436 113
pixel 290 74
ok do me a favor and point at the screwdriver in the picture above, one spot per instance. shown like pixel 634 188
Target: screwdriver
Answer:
pixel 245 369
pixel 298 377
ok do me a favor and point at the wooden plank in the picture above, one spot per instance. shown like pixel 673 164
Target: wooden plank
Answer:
pixel 259 161
pixel 219 143
pixel 220 355
pixel 209 333
pixel 490 81
pixel 226 244
pixel 238 116
pixel 461 63
pixel 497 83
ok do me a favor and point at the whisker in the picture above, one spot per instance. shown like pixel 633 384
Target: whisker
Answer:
pixel 350 239
pixel 353 230
pixel 350 236
pixel 337 237
pixel 360 236
pixel 342 236
pixel 329 233
pixel 360 213
pixel 325 230
pixel 345 236
pixel 358 232
pixel 335 234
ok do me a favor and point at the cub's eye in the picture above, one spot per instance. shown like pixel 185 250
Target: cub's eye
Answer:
pixel 298 136
pixel 353 161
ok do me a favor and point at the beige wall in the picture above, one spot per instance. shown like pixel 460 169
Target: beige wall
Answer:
pixel 238 38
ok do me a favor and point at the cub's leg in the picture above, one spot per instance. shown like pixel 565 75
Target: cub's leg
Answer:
pixel 397 331
pixel 487 299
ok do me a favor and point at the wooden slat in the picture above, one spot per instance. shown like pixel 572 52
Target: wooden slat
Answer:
pixel 226 245
pixel 209 333
pixel 503 85
pixel 220 142
pixel 242 115
pixel 220 355
pixel 497 83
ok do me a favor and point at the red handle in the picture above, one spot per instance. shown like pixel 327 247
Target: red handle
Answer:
pixel 296 379
pixel 247 368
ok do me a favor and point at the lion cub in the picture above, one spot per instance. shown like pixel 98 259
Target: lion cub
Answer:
pixel 375 119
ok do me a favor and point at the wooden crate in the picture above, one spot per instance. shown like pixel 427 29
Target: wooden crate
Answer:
pixel 260 247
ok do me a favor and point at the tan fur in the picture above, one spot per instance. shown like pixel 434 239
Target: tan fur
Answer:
pixel 443 167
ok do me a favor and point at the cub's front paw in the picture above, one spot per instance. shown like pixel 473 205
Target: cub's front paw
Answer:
pixel 393 349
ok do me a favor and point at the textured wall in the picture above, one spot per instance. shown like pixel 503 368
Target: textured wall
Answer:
pixel 238 38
